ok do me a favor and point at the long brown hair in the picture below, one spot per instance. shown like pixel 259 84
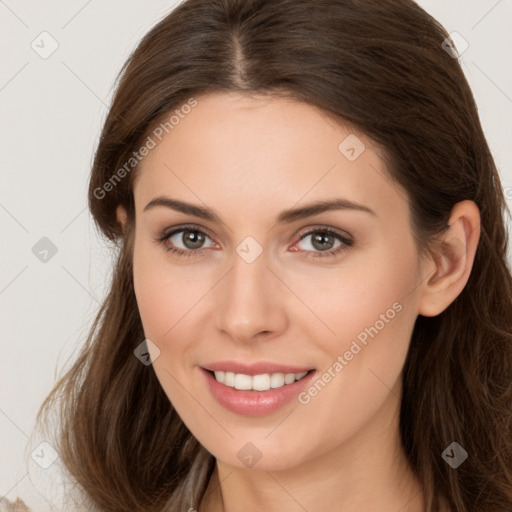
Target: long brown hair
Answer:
pixel 380 67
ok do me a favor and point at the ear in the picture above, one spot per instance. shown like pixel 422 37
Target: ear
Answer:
pixel 121 216
pixel 453 260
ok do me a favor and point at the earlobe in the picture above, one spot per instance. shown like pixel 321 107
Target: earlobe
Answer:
pixel 121 216
pixel 453 260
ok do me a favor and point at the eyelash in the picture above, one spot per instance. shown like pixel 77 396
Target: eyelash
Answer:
pixel 346 243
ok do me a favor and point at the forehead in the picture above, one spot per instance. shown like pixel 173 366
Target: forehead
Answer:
pixel 259 151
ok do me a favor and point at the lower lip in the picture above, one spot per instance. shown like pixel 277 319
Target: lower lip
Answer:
pixel 255 403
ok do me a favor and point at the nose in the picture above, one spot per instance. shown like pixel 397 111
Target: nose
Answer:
pixel 252 301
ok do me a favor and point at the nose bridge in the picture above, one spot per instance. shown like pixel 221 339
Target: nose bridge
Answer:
pixel 249 302
pixel 248 276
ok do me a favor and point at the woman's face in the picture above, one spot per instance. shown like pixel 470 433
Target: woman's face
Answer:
pixel 261 290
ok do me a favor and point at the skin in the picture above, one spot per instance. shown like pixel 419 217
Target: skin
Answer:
pixel 247 159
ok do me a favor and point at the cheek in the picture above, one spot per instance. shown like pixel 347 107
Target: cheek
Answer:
pixel 370 307
pixel 372 311
pixel 163 293
pixel 370 295
pixel 169 298
pixel 154 299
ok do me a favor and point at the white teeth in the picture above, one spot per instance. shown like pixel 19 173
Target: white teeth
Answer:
pixel 262 382
pixel 277 380
pixel 229 379
pixel 243 381
pixel 289 378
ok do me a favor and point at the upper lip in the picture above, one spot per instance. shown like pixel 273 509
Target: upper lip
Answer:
pixel 255 368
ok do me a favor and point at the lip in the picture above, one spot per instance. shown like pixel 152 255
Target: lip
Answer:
pixel 256 403
pixel 256 368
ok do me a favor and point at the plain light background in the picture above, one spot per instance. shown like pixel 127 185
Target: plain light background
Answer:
pixel 51 115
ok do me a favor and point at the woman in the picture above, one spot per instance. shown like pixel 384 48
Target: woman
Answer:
pixel 312 255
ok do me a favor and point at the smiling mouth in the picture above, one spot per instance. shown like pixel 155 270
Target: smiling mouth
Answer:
pixel 261 382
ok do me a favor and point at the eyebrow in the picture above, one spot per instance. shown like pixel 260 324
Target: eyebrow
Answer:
pixel 286 216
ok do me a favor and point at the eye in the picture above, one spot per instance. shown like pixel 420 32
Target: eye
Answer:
pixel 323 241
pixel 190 237
pixel 187 241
